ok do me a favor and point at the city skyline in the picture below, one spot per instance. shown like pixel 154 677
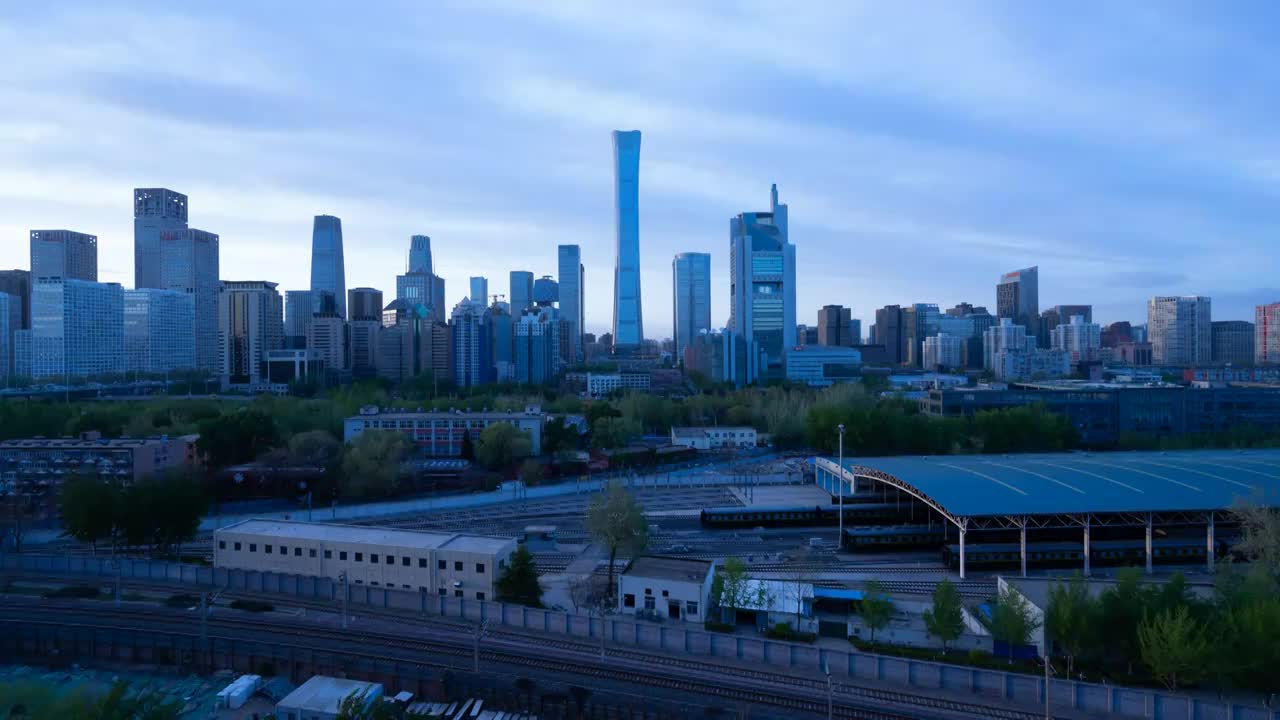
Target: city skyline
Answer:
pixel 1112 215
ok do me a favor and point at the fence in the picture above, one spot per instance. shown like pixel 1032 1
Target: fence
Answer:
pixel 670 637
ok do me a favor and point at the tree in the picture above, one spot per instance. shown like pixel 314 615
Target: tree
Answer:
pixel 1174 646
pixel 468 446
pixel 1259 534
pixel 372 464
pixel 532 472
pixel 501 444
pixel 877 608
pixel 558 435
pixel 616 521
pixel 1244 638
pixel 1071 618
pixel 87 506
pixel 236 437
pixel 359 706
pixel 1121 608
pixel 519 581
pixel 317 449
pixel 610 433
pixel 945 620
pixel 1012 619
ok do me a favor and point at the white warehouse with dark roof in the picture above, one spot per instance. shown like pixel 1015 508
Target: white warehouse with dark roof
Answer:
pixel 439 563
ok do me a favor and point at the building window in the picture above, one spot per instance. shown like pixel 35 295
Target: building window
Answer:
pixel 373 558
pixel 665 593
pixel 406 587
pixel 297 552
pixel 328 554
pixel 422 562
pixel 480 568
pixel 237 546
pixel 405 561
pixel 650 603
pixel 267 549
pixel 222 544
pixel 629 600
pixel 253 547
pixel 479 596
pixel 441 565
pixel 457 565
pixel 691 608
pixel 391 559
pixel 359 557
pixel 457 593
pixel 342 554
pixel 284 550
pixel 375 582
pixel 443 592
pixel 648 591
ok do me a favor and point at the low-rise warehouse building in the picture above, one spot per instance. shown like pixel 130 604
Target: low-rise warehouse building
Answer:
pixel 464 566
pixel 320 697
pixel 714 438
pixel 666 587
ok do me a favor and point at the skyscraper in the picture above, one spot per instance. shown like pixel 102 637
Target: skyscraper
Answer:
pixel 250 324
pixel 17 285
pixel 1266 334
pixel 77 328
pixel 467 326
pixel 691 301
pixel 9 314
pixel 1180 330
pixel 327 269
pixel 479 290
pixel 159 336
pixel 521 291
pixel 1059 315
pixel 499 334
pixel 919 321
pixel 364 304
pixel 762 283
pixel 536 346
pixel 835 326
pixel 1232 341
pixel 189 263
pixel 628 316
pixel 154 210
pixel 65 254
pixel 1018 298
pixel 327 335
pixel 888 332
pixel 298 308
pixel 420 254
pixel 571 308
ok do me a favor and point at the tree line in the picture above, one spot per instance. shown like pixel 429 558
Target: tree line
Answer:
pixel 159 513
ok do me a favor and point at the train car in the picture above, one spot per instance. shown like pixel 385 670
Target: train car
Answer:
pixel 894 537
pixel 1167 551
pixel 798 515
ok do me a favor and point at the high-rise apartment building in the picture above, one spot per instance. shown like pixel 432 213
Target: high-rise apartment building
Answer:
pixel 1232 342
pixel 835 326
pixel 691 304
pixel 327 335
pixel 480 290
pixel 250 325
pixel 298 309
pixel 77 328
pixel 328 271
pixel 1018 298
pixel 364 304
pixel 466 324
pixel 159 330
pixel 943 352
pixel 762 282
pixel 154 211
pixel 888 332
pixel 628 316
pixel 1006 337
pixel 65 254
pixel 1266 334
pixel 521 291
pixel 1180 330
pixel 1059 315
pixel 189 263
pixel 569 261
pixel 1081 339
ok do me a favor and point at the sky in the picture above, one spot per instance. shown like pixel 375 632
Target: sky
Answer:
pixel 1127 149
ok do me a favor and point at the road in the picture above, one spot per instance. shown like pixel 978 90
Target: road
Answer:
pixel 452 647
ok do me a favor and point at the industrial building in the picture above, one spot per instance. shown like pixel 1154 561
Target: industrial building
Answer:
pixel 714 438
pixel 464 566
pixel 320 697
pixel 1067 508
pixel 440 434
pixel 666 587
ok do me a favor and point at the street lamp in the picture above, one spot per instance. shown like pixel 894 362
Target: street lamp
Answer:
pixel 840 480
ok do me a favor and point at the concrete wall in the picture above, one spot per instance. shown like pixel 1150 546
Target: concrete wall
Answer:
pixel 671 637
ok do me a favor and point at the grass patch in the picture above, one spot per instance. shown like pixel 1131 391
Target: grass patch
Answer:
pixel 252 606
pixel 80 592
pixel 182 600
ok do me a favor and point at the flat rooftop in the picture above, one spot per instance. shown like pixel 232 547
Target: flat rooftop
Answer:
pixel 335 532
pixel 323 694
pixel 669 568
pixel 1069 483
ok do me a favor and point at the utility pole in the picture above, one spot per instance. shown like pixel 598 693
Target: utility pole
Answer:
pixel 343 577
pixel 840 484
pixel 830 700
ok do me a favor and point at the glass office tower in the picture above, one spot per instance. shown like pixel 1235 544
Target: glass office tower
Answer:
pixel 762 283
pixel 691 304
pixel 64 254
pixel 154 210
pixel 628 317
pixel 327 273
pixel 521 291
pixel 571 296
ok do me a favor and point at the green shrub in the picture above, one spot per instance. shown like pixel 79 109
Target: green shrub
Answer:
pixel 182 600
pixel 73 591
pixel 719 627
pixel 252 606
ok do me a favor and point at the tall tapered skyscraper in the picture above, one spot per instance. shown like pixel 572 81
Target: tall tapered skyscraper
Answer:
pixel 628 317
pixel 154 211
pixel 327 273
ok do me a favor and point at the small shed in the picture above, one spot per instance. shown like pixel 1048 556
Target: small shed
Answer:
pixel 670 588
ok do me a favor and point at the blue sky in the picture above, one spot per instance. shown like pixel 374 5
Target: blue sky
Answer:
pixel 1128 149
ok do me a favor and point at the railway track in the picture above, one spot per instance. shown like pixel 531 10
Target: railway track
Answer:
pixel 776 690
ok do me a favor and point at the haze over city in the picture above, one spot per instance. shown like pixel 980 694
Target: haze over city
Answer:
pixel 921 153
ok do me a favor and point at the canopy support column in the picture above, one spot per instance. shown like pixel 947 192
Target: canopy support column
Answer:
pixel 1148 543
pixel 1086 546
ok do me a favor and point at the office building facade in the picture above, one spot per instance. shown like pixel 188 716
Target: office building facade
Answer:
pixel 363 346
pixel 189 263
pixel 298 309
pixel 835 327
pixel 823 365
pixel 1232 342
pixel 762 282
pixel 1018 298
pixel 64 254
pixel 943 351
pixel 467 327
pixel 1266 334
pixel 1079 338
pixel 17 284
pixel 691 303
pixel 572 296
pixel 364 303
pixel 919 321
pixel 159 331
pixel 327 335
pixel 1180 330
pixel 9 311
pixel 155 210
pixel 77 328
pixel 536 345
pixel 1059 315
pixel 250 326
pixel 480 290
pixel 328 271
pixel 1004 337
pixel 724 356
pixel 521 291
pixel 628 315
pixel 887 331
pixel 420 255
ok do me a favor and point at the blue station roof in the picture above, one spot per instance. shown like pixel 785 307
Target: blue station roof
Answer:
pixel 1069 483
